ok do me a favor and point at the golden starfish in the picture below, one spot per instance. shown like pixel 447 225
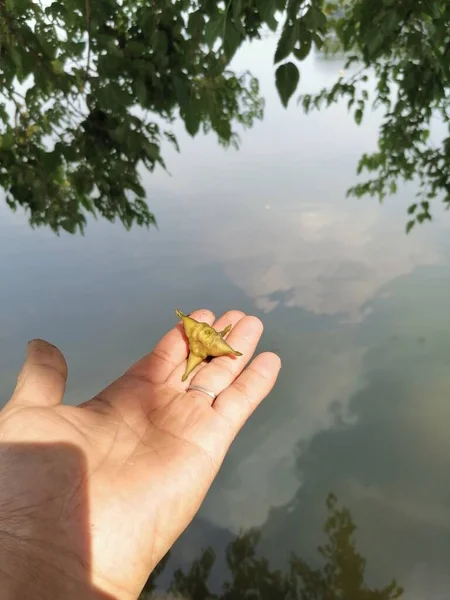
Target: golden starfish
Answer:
pixel 204 341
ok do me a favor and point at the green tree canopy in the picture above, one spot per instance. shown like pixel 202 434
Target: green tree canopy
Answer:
pixel 89 89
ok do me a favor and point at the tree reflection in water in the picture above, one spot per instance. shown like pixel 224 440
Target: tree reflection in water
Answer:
pixel 341 576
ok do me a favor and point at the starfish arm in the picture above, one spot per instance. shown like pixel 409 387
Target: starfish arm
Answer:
pixel 225 331
pixel 189 323
pixel 220 347
pixel 192 362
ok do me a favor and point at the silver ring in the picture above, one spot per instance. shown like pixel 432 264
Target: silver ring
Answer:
pixel 202 389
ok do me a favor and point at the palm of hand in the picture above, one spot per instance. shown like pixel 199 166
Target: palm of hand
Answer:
pixel 118 478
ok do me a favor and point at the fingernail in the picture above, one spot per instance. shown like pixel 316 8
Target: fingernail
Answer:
pixel 29 344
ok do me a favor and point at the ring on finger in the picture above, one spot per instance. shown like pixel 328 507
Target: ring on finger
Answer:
pixel 199 388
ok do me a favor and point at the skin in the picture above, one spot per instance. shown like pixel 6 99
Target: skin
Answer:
pixel 93 496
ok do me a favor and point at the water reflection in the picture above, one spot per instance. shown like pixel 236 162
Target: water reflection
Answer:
pixel 336 572
pixel 387 451
pixel 327 261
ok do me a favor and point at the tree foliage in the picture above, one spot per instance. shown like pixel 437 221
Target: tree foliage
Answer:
pixel 407 47
pixel 251 575
pixel 88 91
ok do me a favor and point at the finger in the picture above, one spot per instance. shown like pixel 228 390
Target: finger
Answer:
pixel 42 380
pixel 238 401
pixel 223 370
pixel 231 317
pixel 168 353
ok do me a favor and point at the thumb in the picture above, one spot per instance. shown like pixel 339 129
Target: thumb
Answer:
pixel 42 380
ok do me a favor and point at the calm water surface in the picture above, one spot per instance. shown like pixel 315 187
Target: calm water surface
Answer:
pixel 357 311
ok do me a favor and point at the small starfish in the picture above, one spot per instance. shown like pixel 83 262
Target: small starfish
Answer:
pixel 204 341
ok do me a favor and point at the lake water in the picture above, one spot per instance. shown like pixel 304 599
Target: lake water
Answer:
pixel 357 310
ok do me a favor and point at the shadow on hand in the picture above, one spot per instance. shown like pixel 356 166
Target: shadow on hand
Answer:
pixel 45 539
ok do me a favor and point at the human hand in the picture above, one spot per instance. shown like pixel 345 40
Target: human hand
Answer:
pixel 93 496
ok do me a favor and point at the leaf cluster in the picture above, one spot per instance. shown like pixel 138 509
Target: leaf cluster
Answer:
pixel 89 91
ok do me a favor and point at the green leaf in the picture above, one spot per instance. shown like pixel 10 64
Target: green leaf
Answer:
pixel 114 97
pixel 172 139
pixel 16 58
pixel 3 114
pixel 192 116
pixel 315 19
pixel 196 23
pixel 113 49
pixel 375 43
pixel 237 9
pixel 140 89
pixel 286 43
pixel 306 101
pixel 267 9
pixel 302 52
pixel 317 40
pixel 135 49
pixel 152 151
pixel 358 116
pixel 159 43
pixel 410 225
pixel 232 40
pixel 214 29
pixel 421 218
pixel 147 20
pixel 181 91
pixel 57 66
pixel 287 77
pixel 51 160
pixel 412 209
pixel 119 134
